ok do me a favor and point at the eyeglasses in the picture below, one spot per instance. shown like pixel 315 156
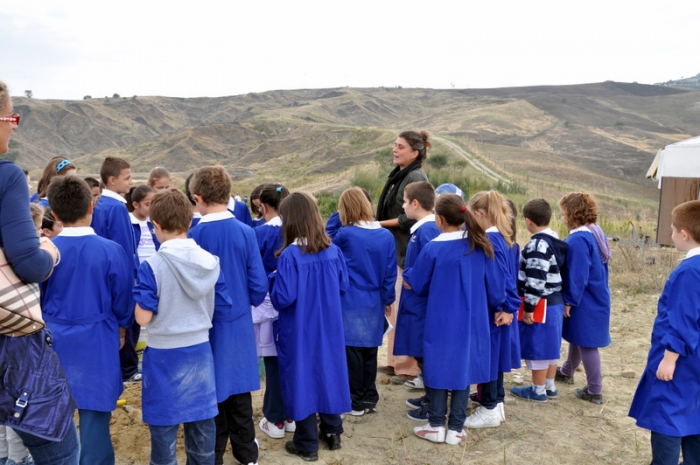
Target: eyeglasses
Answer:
pixel 13 118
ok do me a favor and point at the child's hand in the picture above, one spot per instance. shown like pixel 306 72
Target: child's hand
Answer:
pixel 503 318
pixel 407 286
pixel 567 310
pixel 667 366
pixel 528 318
pixel 387 311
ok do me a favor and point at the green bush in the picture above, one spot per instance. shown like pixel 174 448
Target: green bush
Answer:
pixel 327 204
pixel 437 161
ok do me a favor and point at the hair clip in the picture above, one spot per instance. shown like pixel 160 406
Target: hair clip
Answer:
pixel 463 208
pixel 279 189
pixel 62 165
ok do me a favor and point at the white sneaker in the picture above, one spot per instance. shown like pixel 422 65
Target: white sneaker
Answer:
pixel 357 413
pixel 290 426
pixel 431 433
pixel 501 410
pixel 483 418
pixel 271 429
pixel 415 383
pixel 455 438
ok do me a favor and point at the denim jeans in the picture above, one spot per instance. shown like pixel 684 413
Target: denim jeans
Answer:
pixel 95 440
pixel 273 405
pixel 437 408
pixel 666 450
pixel 492 393
pixel 45 452
pixel 200 437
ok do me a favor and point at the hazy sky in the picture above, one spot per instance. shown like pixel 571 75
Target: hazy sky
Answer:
pixel 70 48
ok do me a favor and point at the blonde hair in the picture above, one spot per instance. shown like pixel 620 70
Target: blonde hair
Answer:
pixel 498 211
pixel 4 95
pixel 353 207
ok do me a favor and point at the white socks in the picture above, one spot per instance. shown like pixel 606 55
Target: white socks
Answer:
pixel 549 385
pixel 539 389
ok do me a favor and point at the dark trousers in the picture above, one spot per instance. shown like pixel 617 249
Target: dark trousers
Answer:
pixel 127 355
pixel 306 434
pixel 273 405
pixel 235 422
pixel 492 393
pixel 362 373
pixel 95 440
pixel 666 450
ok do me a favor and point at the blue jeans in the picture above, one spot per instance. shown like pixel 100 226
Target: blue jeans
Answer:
pixel 45 452
pixel 437 408
pixel 200 438
pixel 666 450
pixel 95 441
pixel 273 405
pixel 492 393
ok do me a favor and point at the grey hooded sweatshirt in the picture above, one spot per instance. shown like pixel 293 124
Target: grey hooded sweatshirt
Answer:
pixel 186 277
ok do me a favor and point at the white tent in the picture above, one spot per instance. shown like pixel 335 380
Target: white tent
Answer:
pixel 677 168
pixel 680 160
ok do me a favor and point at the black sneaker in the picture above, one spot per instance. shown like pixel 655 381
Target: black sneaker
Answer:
pixel 332 441
pixel 419 414
pixel 417 402
pixel 559 376
pixel 583 394
pixel 305 456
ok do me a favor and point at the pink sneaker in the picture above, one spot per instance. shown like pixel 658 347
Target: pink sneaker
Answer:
pixel 431 433
pixel 454 438
pixel 271 429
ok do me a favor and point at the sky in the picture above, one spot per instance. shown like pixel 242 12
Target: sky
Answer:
pixel 71 48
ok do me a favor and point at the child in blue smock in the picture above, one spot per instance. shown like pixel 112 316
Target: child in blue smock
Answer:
pixel 586 294
pixel 457 272
pixel 269 234
pixel 232 336
pixel 493 214
pixel 111 220
pixel 418 203
pixel 179 289
pixel 85 303
pixel 370 256
pixel 666 401
pixel 540 277
pixel 311 275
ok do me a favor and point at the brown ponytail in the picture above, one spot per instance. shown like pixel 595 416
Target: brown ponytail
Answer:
pixel 452 209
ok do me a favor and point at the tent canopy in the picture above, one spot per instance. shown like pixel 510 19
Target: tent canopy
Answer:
pixel 681 160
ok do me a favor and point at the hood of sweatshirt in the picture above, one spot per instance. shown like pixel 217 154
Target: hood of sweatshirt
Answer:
pixel 195 269
pixel 557 245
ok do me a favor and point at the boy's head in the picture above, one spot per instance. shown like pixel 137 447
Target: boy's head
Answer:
pixel 538 212
pixel 418 199
pixel 94 187
pixel 212 185
pixel 116 175
pixel 685 222
pixel 171 211
pixel 70 199
pixel 37 212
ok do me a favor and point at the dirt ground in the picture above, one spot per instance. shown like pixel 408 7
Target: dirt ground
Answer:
pixel 562 431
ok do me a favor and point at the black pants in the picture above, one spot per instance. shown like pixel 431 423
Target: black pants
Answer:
pixel 235 422
pixel 127 355
pixel 362 373
pixel 306 434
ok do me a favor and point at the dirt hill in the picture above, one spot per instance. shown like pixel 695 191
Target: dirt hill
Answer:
pixel 607 129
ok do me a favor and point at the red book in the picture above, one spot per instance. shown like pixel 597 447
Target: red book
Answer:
pixel 540 315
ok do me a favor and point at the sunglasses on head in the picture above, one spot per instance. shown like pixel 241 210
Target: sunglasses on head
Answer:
pixel 13 118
